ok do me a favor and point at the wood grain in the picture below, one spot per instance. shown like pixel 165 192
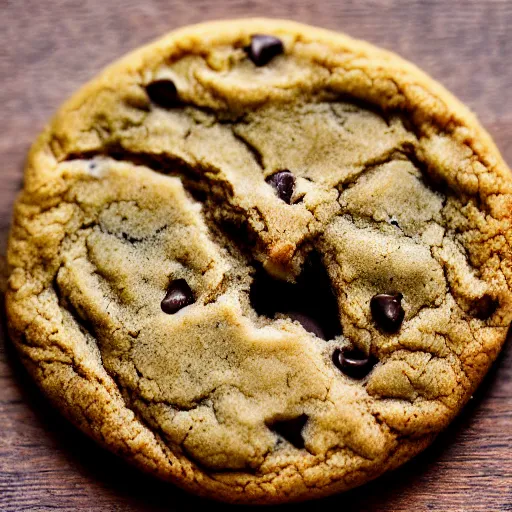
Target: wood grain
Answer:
pixel 48 48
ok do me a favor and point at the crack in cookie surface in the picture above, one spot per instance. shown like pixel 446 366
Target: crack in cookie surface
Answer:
pixel 124 197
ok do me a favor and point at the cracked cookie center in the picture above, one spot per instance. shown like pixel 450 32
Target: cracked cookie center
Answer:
pixel 310 301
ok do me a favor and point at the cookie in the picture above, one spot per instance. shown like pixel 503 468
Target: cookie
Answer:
pixel 261 260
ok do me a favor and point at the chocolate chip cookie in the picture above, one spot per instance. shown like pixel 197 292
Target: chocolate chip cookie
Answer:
pixel 261 260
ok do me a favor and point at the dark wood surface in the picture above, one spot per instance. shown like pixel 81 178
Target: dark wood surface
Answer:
pixel 49 47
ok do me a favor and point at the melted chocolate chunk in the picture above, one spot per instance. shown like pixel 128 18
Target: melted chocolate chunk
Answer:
pixel 291 430
pixel 387 311
pixel 179 295
pixel 263 49
pixel 163 93
pixel 353 363
pixel 284 184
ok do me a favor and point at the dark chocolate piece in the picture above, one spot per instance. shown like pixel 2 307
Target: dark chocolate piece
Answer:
pixel 284 184
pixel 179 295
pixel 264 48
pixel 387 311
pixel 353 363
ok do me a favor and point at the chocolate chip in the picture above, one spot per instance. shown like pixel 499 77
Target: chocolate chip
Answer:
pixel 308 323
pixel 263 49
pixel 291 430
pixel 284 184
pixel 179 295
pixel 353 363
pixel 163 93
pixel 387 311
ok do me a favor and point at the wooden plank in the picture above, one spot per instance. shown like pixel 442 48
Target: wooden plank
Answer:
pixel 47 49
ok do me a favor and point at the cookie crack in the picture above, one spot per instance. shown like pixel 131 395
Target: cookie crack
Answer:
pixel 258 156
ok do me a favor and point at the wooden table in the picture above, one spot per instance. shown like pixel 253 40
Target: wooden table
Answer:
pixel 49 47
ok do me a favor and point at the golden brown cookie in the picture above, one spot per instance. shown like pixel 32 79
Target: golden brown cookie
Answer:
pixel 261 260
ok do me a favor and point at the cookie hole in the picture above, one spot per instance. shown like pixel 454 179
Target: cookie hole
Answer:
pixel 199 195
pixel 310 300
pixel 484 307
pixel 290 430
